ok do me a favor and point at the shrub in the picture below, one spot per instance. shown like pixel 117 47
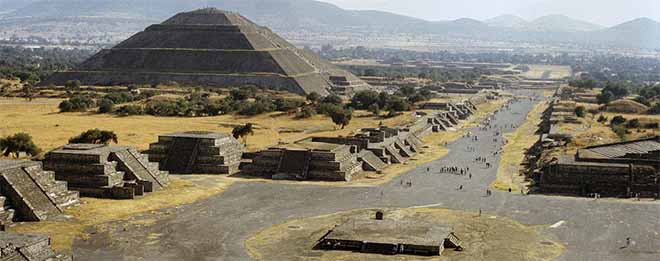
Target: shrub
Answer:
pixel 95 136
pixel 362 100
pixel 106 106
pixel 327 108
pixel 653 125
pixel 72 85
pixel 282 104
pixel 398 104
pixel 580 111
pixel 617 120
pixel 19 142
pixel 77 103
pixel 258 107
pixel 305 113
pixel 119 97
pixel 602 119
pixel 166 108
pixel 619 130
pixel 633 124
pixel 332 99
pixel 130 110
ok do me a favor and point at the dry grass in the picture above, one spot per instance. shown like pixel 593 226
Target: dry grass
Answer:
pixel 94 212
pixel 51 129
pixel 557 71
pixel 484 238
pixel 626 106
pixel 509 173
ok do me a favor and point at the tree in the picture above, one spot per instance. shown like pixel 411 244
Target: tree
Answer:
pixel 332 99
pixel 375 109
pixel 305 113
pixel 605 97
pixel 341 117
pixel 28 91
pixel 363 100
pixel 633 124
pixel 72 85
pixel 19 142
pixel 106 106
pixel 242 132
pixel 95 136
pixel 580 111
pixel 313 97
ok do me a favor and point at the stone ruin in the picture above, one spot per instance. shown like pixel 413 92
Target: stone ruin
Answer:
pixel 622 169
pixel 105 171
pixel 307 161
pixel 197 152
pixel 390 237
pixel 211 47
pixel 24 247
pixel 28 193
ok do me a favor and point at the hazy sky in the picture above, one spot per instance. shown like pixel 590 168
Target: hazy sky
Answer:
pixel 604 12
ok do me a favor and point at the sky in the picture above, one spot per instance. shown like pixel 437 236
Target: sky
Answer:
pixel 603 12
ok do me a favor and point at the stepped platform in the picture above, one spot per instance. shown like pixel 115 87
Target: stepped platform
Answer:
pixel 31 194
pixel 197 152
pixel 105 171
pixel 307 161
pixel 24 247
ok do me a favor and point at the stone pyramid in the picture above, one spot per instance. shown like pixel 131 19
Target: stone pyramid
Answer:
pixel 211 47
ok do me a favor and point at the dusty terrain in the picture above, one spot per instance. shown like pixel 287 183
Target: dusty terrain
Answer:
pixel 486 237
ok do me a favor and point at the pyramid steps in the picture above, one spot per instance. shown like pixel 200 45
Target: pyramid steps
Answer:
pixel 370 161
pixel 30 201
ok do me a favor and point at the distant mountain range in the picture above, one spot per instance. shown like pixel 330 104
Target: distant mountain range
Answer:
pixel 300 15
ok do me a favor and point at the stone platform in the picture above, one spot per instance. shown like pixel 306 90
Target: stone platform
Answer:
pixel 197 152
pixel 23 247
pixel 31 194
pixel 105 171
pixel 390 237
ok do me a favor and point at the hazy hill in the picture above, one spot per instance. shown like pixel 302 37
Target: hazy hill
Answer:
pixel 507 21
pixel 560 23
pixel 641 32
pixel 112 19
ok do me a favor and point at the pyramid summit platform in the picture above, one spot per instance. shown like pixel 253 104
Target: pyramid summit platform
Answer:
pixel 215 48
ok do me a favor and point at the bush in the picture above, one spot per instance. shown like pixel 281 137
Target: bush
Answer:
pixel 167 108
pixel 602 119
pixel 72 85
pixel 258 107
pixel 327 108
pixel 362 100
pixel 633 124
pixel 305 113
pixel 282 104
pixel 95 136
pixel 332 99
pixel 119 97
pixel 77 103
pixel 619 130
pixel 106 106
pixel 341 117
pixel 19 142
pixel 398 104
pixel 130 110
pixel 618 120
pixel 653 125
pixel 580 111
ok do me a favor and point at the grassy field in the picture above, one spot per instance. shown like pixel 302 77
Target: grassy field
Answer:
pixel 538 71
pixel 51 129
pixel 484 237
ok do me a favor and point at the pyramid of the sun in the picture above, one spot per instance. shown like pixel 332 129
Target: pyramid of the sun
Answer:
pixel 211 47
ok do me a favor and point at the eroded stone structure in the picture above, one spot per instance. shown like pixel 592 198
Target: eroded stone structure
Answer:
pixel 307 161
pixel 623 169
pixel 23 247
pixel 211 47
pixel 28 193
pixel 390 237
pixel 197 152
pixel 105 171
